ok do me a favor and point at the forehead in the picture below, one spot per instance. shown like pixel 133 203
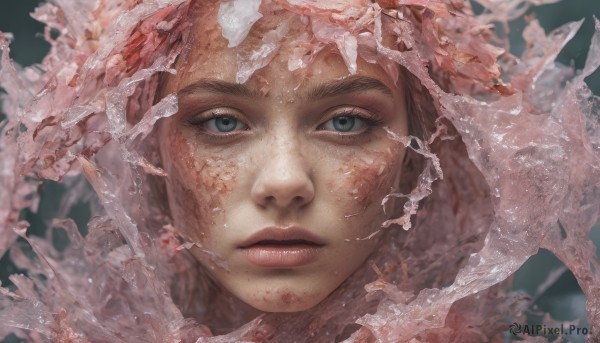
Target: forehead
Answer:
pixel 267 54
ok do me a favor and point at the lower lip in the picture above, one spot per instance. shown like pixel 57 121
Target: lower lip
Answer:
pixel 281 256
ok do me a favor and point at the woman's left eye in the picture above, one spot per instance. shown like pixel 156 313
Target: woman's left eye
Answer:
pixel 344 124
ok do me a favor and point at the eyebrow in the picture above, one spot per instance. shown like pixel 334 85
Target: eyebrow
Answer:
pixel 348 85
pixel 220 87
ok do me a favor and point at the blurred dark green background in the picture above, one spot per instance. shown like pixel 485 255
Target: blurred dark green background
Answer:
pixel 564 299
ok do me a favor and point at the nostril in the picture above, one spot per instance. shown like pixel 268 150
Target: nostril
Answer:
pixel 274 188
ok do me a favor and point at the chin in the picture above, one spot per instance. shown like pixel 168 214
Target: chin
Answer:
pixel 280 306
pixel 284 300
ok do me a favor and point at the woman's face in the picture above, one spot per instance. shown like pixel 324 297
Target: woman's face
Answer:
pixel 280 182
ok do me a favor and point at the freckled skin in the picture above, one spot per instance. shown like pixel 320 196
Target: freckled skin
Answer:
pixel 284 167
pixel 288 298
pixel 182 206
pixel 215 176
pixel 369 178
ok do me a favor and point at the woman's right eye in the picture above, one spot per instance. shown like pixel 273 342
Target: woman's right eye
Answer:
pixel 217 123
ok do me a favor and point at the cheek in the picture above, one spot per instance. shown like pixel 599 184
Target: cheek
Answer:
pixel 367 176
pixel 197 185
pixel 189 212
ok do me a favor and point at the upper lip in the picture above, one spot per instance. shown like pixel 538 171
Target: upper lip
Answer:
pixel 277 234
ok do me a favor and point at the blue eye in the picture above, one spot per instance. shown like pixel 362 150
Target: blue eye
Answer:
pixel 223 124
pixel 344 124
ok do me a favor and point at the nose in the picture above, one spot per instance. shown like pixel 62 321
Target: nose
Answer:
pixel 284 178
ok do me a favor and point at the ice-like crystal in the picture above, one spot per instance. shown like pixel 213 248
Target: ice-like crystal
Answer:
pixel 236 18
pixel 505 11
pixel 251 58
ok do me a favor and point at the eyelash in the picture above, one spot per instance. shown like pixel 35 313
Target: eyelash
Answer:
pixel 370 122
pixel 198 122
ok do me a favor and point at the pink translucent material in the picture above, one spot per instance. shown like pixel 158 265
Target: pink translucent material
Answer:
pixel 516 152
